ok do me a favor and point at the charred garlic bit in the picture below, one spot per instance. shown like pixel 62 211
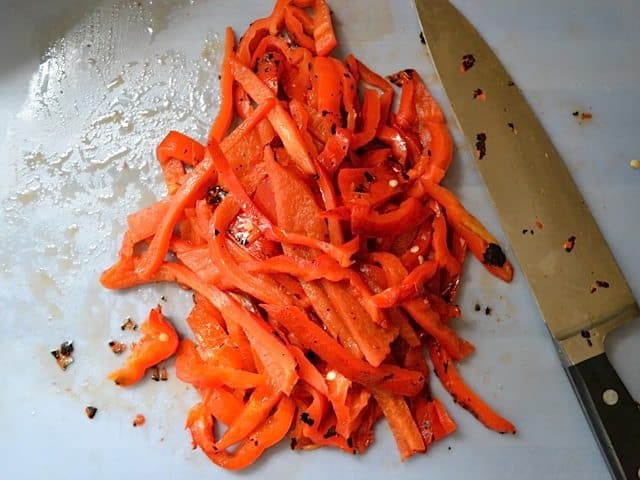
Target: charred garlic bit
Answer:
pixel 90 412
pixel 63 355
pixel 129 325
pixel 117 347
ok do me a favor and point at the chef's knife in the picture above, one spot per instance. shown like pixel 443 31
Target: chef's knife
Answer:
pixel 580 290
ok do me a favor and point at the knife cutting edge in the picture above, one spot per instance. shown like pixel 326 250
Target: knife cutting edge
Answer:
pixel 577 284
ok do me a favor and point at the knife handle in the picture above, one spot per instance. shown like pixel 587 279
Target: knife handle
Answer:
pixel 614 416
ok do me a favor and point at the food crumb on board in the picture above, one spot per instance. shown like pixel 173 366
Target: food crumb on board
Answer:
pixel 138 420
pixel 159 374
pixel 488 310
pixel 63 355
pixel 539 224
pixel 635 164
pixel 90 412
pixel 599 284
pixel 512 127
pixel 477 307
pixel 422 40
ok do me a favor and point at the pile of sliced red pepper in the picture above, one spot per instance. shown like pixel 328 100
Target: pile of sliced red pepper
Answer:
pixel 323 253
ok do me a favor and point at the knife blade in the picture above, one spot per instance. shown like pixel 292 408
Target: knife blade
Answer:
pixel 578 287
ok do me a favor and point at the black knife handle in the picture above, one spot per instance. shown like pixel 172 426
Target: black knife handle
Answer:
pixel 614 416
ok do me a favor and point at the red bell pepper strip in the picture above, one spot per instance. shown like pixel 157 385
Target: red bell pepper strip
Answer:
pixel 295 28
pixel 262 400
pixel 323 34
pixel 371 116
pixel 159 342
pixel 408 288
pixel 371 223
pixel 175 150
pixel 482 244
pixel 276 426
pixel 277 361
pixel 312 337
pixel 225 114
pixel 461 393
pixel 279 117
pixel 403 426
pixel 191 368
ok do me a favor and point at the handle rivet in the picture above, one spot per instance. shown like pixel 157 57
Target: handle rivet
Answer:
pixel 610 397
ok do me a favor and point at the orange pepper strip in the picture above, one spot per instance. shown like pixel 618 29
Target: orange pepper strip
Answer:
pixel 312 337
pixel 367 221
pixel 330 318
pixel 408 288
pixel 406 114
pixel 441 251
pixel 175 150
pixel 323 34
pixel 142 224
pixel 191 368
pixel 279 364
pixel 482 244
pixel 158 343
pixel 221 403
pixel 461 393
pixel 420 311
pixel 279 117
pixel 308 372
pixel 341 253
pixel 295 28
pixel 188 192
pixel 225 114
pixel 349 93
pixel 201 425
pixel 255 412
pixel 403 426
pixel 392 137
pixel 260 286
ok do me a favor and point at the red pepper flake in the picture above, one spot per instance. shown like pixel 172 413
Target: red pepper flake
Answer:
pixel 586 116
pixel 468 61
pixel 539 224
pixel 488 310
pixel 570 243
pixel 129 325
pixel 215 195
pixel 602 284
pixel 481 145
pixel 478 94
pixel 155 374
pixel 63 355
pixel 90 411
pixel 117 347
pixel 138 420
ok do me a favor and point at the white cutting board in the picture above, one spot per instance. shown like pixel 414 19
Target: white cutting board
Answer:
pixel 86 92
